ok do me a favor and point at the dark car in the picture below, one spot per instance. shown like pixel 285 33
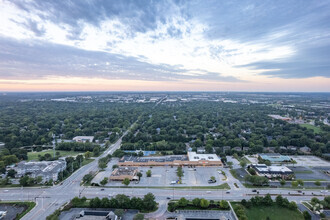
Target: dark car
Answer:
pixel 102 189
pixel 168 198
pixel 254 190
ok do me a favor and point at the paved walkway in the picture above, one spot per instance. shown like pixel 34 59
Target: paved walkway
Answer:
pixel 302 208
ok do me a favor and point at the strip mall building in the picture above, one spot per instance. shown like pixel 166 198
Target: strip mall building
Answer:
pixel 191 159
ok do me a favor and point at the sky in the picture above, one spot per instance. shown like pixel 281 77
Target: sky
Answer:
pixel 204 45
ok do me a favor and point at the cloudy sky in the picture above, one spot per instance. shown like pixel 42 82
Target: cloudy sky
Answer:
pixel 48 45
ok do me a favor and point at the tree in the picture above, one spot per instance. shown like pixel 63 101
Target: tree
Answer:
pixel 88 154
pixel 196 202
pixel 318 183
pixel 292 205
pixel 149 202
pixel 252 171
pixel 267 200
pixel 267 162
pixel 224 204
pixel 179 172
pixel 24 180
pixel 87 178
pixel 104 181
pixel 119 212
pixel 11 173
pixel 126 181
pixel 294 184
pixel 204 203
pixel 114 166
pixel 183 202
pixel 300 182
pixel 279 200
pixel 39 179
pixel 242 163
pixel 138 216
pixel 102 165
pixel 148 173
pixel 139 174
pixel 230 164
pixel 96 151
pixel 282 182
pixel 212 178
pixel 306 215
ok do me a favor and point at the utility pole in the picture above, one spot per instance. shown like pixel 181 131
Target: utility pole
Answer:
pixel 53 143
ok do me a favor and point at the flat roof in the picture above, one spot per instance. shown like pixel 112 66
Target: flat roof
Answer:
pixel 193 156
pixel 277 169
pixel 275 157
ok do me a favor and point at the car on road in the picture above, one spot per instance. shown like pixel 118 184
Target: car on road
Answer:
pixel 168 198
pixel 228 192
pixel 6 190
pixel 208 192
pixel 254 190
pixel 102 189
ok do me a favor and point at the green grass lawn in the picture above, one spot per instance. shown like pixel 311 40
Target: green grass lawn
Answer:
pixel 304 171
pixel 34 155
pixel 273 212
pixel 86 161
pixel 316 130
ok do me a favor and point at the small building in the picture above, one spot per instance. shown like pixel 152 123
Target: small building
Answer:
pixel 83 139
pixel 272 171
pixel 238 149
pixel 226 148
pixel 292 148
pixel 275 158
pixel 121 173
pixel 200 150
pixel 46 169
pixel 305 150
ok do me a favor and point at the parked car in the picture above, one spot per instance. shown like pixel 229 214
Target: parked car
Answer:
pixel 168 198
pixel 102 189
pixel 228 192
pixel 254 190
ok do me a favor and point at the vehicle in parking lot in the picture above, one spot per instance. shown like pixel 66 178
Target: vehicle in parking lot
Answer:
pixel 211 181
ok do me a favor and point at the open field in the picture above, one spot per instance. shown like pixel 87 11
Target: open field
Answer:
pixel 316 130
pixel 34 155
pixel 273 212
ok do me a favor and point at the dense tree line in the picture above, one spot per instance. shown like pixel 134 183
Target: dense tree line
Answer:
pixel 121 201
pixel 197 203
pixel 167 127
pixel 217 124
pixel 34 122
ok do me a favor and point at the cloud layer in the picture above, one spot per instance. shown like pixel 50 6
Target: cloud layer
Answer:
pixel 229 41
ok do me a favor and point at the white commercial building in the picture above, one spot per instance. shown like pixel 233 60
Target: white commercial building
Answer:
pixel 83 139
pixel 193 156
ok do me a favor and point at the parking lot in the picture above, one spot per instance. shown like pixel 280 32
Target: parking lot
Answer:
pixel 310 174
pixel 163 176
pixel 311 161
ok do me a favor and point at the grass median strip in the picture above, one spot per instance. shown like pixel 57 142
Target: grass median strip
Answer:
pixel 222 186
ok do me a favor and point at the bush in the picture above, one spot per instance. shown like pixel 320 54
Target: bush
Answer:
pixel 306 215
